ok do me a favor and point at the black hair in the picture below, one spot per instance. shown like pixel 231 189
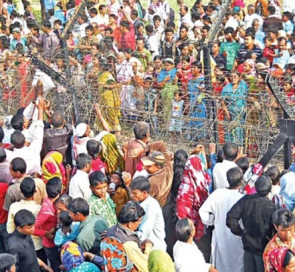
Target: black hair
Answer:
pixel 125 24
pixel 47 24
pixel 229 30
pixel 6 262
pixel 65 200
pixel 271 10
pixel 79 205
pixel 243 163
pixel 158 57
pixel 263 185
pixel 109 29
pixel 141 129
pixel 24 218
pixel 197 64
pixel 183 229
pixel 53 187
pixel 131 212
pixel 140 183
pixel 180 158
pixel 157 17
pixel 2 155
pixel 93 148
pixel 289 255
pixel 65 219
pixel 288 15
pixel 93 10
pixel 96 178
pixel 89 27
pixel 84 18
pixel 274 173
pixel 17 122
pixel 282 39
pixel 82 160
pixel 1 134
pixel 18 165
pixel 101 7
pixel 57 119
pixel 134 12
pixel 284 218
pixel 183 27
pixel 234 177
pixel 185 58
pixel 230 151
pixel 149 29
pixel 27 187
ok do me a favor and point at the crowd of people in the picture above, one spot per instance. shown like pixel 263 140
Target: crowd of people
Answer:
pixel 74 198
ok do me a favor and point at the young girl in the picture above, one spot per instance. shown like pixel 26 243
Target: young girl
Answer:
pixel 93 150
pixel 289 92
pixel 118 191
pixel 176 116
pixel 68 230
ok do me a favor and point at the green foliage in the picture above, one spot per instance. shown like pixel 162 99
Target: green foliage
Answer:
pixel 37 14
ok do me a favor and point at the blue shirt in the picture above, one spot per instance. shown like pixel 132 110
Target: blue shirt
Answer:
pixel 164 73
pixel 14 42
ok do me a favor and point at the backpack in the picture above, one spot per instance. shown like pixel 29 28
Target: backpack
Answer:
pixel 112 250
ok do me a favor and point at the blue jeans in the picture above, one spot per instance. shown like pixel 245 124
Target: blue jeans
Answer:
pixel 3 237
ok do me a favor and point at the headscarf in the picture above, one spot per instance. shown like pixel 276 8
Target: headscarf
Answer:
pixel 160 261
pixel 71 255
pixel 53 167
pixel 110 152
pixel 276 258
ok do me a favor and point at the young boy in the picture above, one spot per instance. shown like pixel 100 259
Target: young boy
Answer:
pixel 100 201
pixel 20 243
pixel 47 220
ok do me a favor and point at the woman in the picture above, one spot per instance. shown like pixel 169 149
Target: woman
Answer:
pixel 234 97
pixel 167 81
pixel 197 107
pixel 180 158
pixel 187 256
pixel 160 261
pixel 73 260
pixel 53 167
pixel 124 74
pixel 93 150
pixel 192 193
pixel 108 97
pixel 282 260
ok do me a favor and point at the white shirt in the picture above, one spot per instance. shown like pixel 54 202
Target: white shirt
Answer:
pixel 224 243
pixel 29 205
pixel 249 19
pixel 80 186
pixel 219 173
pixel 31 153
pixel 186 19
pixel 152 226
pixel 188 258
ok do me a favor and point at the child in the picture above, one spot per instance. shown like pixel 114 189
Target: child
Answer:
pixel 100 201
pixel 118 191
pixel 20 243
pixel 268 51
pixel 176 115
pixel 289 91
pixel 96 163
pixel 68 230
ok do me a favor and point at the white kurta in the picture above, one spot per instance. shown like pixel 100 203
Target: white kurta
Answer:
pixel 227 249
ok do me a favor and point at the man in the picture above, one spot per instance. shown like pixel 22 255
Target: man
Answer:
pixel 7 262
pixel 58 137
pixel 159 167
pixel 31 153
pixel 102 17
pixel 251 16
pixel 126 38
pixel 20 244
pixel 168 46
pixel 5 175
pixel 88 41
pixel 247 49
pixel 142 136
pixel 183 36
pixel 128 222
pixel 79 184
pixel 229 48
pixel 17 38
pixel 90 228
pixel 282 54
pixel 213 213
pixel 185 16
pixel 18 172
pixel 219 58
pixel 272 22
pixel 152 226
pixel 27 188
pixel 283 221
pixel 142 53
pixel 50 41
pixel 230 153
pixel 251 218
